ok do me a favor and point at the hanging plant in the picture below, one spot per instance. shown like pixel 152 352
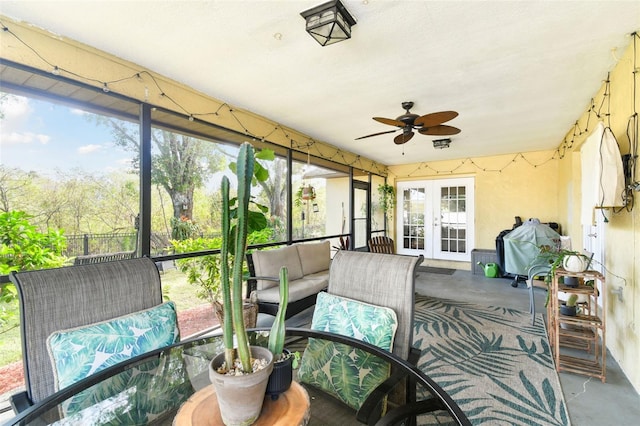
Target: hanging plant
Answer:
pixel 306 193
pixel 387 198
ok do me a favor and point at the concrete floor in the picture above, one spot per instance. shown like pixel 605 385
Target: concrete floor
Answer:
pixel 590 402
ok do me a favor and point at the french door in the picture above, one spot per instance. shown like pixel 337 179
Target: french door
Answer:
pixel 435 218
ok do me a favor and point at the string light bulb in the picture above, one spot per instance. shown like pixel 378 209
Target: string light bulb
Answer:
pixel 55 70
pixel 105 88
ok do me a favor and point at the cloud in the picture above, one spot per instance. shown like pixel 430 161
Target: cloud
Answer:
pixel 16 110
pixel 88 149
pixel 15 138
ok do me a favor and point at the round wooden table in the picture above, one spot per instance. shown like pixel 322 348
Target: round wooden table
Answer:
pixel 291 408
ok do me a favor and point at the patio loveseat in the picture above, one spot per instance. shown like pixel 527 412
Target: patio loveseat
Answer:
pixel 308 269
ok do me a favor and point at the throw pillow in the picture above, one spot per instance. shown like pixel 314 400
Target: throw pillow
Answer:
pixel 78 352
pixel 347 373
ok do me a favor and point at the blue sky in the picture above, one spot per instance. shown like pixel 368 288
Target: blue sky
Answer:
pixel 42 137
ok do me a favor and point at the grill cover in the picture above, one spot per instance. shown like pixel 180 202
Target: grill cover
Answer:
pixel 522 245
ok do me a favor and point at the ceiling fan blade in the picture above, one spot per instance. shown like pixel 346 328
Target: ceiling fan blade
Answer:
pixel 403 138
pixel 390 121
pixel 435 118
pixel 441 130
pixel 377 134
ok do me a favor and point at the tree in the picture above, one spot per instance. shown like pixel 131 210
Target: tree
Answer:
pixel 180 163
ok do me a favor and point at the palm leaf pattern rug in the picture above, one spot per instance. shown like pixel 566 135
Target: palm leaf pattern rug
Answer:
pixel 491 361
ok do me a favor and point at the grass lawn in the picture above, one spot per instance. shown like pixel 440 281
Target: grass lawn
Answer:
pixel 174 285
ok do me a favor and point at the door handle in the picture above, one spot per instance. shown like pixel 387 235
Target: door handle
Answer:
pixel 592 235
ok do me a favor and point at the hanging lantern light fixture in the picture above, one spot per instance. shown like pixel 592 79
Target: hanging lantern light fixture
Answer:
pixel 329 23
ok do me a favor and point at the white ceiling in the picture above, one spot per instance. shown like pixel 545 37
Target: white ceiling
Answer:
pixel 520 73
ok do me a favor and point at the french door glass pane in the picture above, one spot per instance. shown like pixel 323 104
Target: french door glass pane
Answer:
pixel 453 220
pixel 413 218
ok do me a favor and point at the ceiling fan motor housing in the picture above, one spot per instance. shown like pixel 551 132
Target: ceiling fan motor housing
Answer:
pixel 407 118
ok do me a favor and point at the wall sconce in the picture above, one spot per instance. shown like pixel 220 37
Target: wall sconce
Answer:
pixel 441 143
pixel 329 23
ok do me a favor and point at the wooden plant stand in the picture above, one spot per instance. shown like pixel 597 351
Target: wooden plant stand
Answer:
pixel 584 332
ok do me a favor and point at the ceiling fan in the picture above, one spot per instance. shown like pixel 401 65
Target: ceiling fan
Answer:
pixel 429 124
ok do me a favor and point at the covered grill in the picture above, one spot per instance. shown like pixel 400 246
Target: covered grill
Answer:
pixel 522 245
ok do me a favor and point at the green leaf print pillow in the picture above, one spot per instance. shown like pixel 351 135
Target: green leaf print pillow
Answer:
pixel 347 373
pixel 79 352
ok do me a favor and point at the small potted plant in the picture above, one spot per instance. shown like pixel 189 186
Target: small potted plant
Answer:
pixel 239 375
pixel 568 307
pixel 285 361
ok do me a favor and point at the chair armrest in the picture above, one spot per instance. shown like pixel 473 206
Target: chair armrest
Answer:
pixel 20 402
pixel 371 409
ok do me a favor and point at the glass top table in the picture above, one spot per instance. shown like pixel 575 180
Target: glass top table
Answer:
pixel 151 389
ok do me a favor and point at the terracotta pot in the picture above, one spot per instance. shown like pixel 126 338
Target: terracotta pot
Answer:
pixel 240 398
pixel 281 376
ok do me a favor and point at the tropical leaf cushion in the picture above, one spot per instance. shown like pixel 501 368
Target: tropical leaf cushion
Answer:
pixel 346 373
pixel 78 352
pixel 146 393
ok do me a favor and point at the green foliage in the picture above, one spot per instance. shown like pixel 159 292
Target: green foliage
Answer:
pixel 571 301
pixel 387 198
pixel 183 228
pixel 23 247
pixel 201 271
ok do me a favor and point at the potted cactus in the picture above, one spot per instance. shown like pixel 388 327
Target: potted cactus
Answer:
pixel 285 360
pixel 569 306
pixel 240 374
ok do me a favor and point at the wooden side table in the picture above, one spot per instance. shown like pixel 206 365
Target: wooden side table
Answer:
pixel 291 408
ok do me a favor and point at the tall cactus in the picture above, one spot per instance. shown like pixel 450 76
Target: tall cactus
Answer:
pixel 232 283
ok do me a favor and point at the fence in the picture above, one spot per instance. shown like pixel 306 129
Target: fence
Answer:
pixel 85 244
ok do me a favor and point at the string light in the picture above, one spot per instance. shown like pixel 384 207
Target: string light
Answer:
pixel 331 153
pixel 336 155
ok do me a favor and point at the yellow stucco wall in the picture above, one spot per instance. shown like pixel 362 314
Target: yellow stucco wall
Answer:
pixel 506 186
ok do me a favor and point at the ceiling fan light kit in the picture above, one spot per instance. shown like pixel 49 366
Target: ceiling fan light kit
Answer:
pixel 329 23
pixel 441 143
pixel 428 124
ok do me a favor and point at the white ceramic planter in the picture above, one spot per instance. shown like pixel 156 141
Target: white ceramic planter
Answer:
pixel 575 263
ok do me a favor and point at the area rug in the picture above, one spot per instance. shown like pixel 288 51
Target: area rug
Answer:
pixel 491 361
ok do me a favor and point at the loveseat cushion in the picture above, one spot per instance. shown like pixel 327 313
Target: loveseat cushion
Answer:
pixel 314 257
pixel 79 352
pixel 267 263
pixel 298 289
